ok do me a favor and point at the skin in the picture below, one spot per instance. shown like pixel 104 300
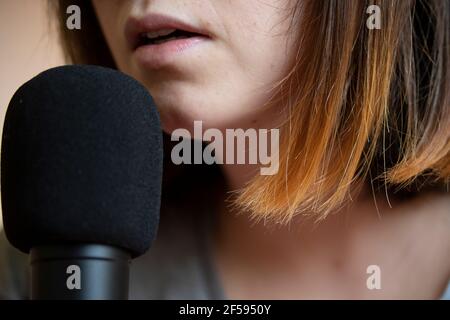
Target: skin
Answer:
pixel 227 83
pixel 224 82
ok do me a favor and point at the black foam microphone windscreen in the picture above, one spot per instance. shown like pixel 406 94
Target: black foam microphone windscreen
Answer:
pixel 81 161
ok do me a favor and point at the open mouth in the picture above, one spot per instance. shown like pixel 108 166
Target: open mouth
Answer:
pixel 163 36
pixel 156 29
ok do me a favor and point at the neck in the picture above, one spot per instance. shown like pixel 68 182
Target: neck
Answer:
pixel 301 246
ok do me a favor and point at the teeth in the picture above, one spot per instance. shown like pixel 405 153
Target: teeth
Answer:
pixel 167 40
pixel 159 33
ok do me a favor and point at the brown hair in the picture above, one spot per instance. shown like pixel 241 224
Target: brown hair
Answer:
pixel 377 102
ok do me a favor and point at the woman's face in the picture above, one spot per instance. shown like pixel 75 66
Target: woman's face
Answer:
pixel 219 67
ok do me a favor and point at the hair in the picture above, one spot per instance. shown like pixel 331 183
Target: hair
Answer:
pixel 377 102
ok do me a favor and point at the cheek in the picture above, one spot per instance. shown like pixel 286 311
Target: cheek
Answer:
pixel 265 60
pixel 260 40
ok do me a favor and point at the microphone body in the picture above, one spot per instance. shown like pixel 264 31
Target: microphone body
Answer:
pixel 81 175
pixel 79 272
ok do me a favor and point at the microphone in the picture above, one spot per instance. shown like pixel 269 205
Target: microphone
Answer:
pixel 81 172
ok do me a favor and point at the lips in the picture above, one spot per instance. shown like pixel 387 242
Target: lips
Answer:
pixel 155 29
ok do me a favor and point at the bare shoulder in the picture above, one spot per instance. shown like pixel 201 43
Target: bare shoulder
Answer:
pixel 424 222
pixel 427 217
pixel 410 241
pixel 437 203
pixel 433 211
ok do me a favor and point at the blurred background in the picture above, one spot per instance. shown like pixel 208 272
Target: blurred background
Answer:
pixel 29 45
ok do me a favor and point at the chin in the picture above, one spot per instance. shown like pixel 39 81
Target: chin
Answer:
pixel 180 113
pixel 174 118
